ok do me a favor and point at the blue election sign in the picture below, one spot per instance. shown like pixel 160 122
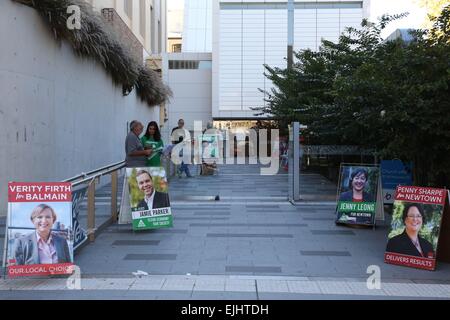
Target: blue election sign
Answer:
pixel 79 234
pixel 393 174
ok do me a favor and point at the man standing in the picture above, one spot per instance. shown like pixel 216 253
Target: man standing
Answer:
pixel 136 156
pixel 153 199
pixel 178 135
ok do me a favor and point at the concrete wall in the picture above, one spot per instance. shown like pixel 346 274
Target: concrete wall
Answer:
pixel 191 88
pixel 60 115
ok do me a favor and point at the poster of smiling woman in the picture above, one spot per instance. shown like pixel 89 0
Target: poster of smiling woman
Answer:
pixel 39 229
pixel 357 194
pixel 416 227
pixel 149 198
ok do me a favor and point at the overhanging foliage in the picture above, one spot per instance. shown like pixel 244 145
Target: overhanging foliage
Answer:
pixel 96 40
pixel 391 96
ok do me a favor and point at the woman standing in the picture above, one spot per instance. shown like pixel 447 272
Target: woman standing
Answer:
pixel 152 140
pixel 410 242
pixel 358 180
pixel 43 245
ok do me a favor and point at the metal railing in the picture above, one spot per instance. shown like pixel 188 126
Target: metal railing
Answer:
pixel 90 178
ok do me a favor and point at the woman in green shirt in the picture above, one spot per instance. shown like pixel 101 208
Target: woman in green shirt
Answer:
pixel 152 139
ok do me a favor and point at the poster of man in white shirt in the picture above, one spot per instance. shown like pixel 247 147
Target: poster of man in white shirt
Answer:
pixel 149 198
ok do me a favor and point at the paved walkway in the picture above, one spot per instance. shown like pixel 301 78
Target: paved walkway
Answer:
pixel 252 244
pixel 220 287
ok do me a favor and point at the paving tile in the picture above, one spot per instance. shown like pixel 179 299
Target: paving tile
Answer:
pixel 253 269
pixel 147 284
pixel 169 257
pixel 334 287
pixel 107 284
pixel 240 285
pixel 333 232
pixel 136 243
pixel 326 253
pixel 210 285
pixel 248 235
pixel 199 295
pixel 272 286
pixel 285 225
pixel 178 284
pixel 303 287
pixel 401 289
pixel 360 288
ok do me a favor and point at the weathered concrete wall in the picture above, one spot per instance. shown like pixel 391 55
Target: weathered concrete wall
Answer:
pixel 60 115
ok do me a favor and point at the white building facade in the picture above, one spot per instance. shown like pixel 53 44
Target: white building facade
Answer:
pixel 198 25
pixel 189 77
pixel 241 36
pixel 248 34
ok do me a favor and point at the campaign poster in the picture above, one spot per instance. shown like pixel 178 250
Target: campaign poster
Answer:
pixel 357 195
pixel 79 234
pixel 157 149
pixel 39 229
pixel 210 149
pixel 394 173
pixel 149 198
pixel 416 224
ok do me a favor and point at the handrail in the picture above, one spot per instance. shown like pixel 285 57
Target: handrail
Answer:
pixel 97 173
pixel 90 178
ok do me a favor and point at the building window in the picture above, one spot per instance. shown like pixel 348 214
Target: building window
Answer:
pixel 176 47
pixel 142 19
pixel 189 64
pixel 128 7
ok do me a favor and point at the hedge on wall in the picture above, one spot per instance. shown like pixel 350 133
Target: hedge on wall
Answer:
pixel 96 40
